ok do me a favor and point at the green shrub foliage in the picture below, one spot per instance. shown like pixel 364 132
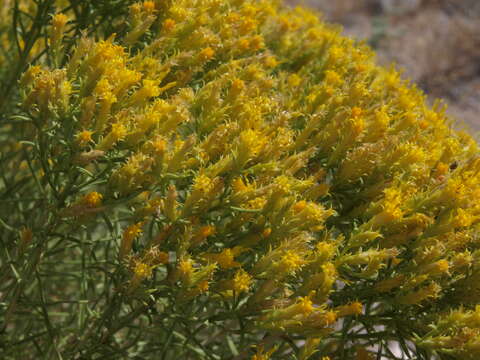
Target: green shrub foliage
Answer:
pixel 225 179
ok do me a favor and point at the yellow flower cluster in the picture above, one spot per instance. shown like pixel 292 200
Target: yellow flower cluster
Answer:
pixel 456 333
pixel 278 164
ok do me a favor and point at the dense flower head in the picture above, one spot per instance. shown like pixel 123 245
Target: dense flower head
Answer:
pixel 248 165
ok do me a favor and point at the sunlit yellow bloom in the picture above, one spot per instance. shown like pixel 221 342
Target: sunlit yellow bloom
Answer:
pixel 129 235
pixel 93 199
pixel 241 281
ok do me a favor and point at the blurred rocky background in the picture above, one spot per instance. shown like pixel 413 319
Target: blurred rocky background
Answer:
pixel 435 42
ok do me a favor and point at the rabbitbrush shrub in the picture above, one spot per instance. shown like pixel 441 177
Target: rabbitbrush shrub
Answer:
pixel 225 179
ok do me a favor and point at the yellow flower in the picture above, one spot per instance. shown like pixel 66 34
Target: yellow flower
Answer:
pixel 294 80
pixel 354 308
pixel 206 54
pixel 266 232
pixel 150 88
pixel 290 262
pixel 149 6
pixel 270 62
pixel 168 25
pixel 306 305
pixel 237 86
pixel 142 271
pixel 464 218
pixel 203 286
pixel 206 231
pixel 30 75
pixel 256 43
pixel 239 186
pixel 117 133
pixel 241 281
pixel 430 291
pixel 203 183
pixel 389 284
pixel 247 25
pixel 439 267
pixel 129 235
pixel 333 78
pixel 243 44
pixel 93 199
pixel 299 206
pixel 58 28
pixel 356 112
pixel 84 137
pixel 302 308
pixel 226 258
pixel 59 20
pixel 186 267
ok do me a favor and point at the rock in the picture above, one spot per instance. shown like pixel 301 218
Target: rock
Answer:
pixel 400 7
